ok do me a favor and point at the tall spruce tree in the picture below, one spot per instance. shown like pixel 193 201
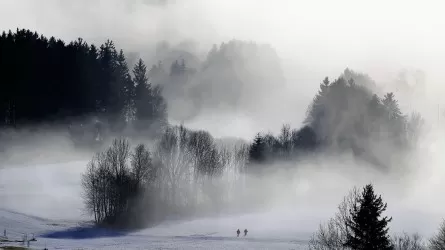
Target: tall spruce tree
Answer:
pixel 143 92
pixel 257 150
pixel 126 87
pixel 368 229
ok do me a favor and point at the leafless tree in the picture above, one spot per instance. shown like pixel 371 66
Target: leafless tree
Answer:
pixel 333 234
pixel 408 242
pixel 110 184
pixel 438 241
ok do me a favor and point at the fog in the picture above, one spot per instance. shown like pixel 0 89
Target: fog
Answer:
pixel 313 39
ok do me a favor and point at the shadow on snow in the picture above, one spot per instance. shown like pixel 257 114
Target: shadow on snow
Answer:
pixel 87 232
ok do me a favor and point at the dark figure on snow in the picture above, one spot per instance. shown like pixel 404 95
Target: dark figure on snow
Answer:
pixel 237 233
pixel 245 232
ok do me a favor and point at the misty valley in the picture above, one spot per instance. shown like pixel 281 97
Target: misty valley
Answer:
pixel 221 143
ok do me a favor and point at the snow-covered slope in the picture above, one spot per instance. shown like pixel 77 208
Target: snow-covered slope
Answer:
pixel 44 200
pixel 198 234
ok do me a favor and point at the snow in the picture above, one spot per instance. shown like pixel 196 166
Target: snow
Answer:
pixel 198 234
pixel 45 200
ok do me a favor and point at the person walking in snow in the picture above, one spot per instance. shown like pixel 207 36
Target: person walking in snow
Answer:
pixel 245 232
pixel 237 233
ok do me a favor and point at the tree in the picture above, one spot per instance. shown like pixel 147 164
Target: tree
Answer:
pixel 316 108
pixel 143 92
pixel 126 86
pixel 114 181
pixel 150 106
pixel 392 107
pixel 438 241
pixel 367 229
pixel 257 150
pixel 408 242
pixel 333 235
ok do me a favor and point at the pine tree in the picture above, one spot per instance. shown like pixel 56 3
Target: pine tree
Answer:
pixel 257 150
pixel 125 85
pixel 150 106
pixel 316 110
pixel 143 92
pixel 395 120
pixel 367 230
pixel 392 107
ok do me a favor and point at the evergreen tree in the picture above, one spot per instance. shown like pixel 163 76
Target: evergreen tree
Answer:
pixel 367 229
pixel 143 92
pixel 257 150
pixel 126 86
pixel 392 107
pixel 316 109
pixel 150 106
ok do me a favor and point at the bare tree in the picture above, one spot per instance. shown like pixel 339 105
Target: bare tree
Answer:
pixel 438 241
pixel 333 234
pixel 109 184
pixel 176 160
pixel 142 169
pixel 408 242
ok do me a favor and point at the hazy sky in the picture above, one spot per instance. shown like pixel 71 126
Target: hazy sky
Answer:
pixel 397 31
pixel 314 38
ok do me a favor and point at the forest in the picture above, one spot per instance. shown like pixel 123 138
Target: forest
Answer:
pixel 92 93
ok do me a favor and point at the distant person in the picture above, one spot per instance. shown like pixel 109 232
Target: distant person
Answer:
pixel 237 233
pixel 245 232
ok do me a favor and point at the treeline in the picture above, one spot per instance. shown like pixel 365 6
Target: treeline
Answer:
pixel 345 116
pixel 185 173
pixel 46 80
pixel 227 78
pixel 360 224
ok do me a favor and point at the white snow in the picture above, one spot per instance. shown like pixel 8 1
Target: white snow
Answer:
pixel 44 200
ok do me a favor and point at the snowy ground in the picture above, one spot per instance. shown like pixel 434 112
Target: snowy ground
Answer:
pixel 71 235
pixel 44 200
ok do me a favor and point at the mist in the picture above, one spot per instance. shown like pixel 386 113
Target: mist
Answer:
pixel 312 40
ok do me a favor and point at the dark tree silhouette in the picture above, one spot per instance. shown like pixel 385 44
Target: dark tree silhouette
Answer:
pixel 257 151
pixel 150 107
pixel 368 229
pixel 48 81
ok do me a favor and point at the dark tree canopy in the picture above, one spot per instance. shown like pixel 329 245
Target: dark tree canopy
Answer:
pixel 46 80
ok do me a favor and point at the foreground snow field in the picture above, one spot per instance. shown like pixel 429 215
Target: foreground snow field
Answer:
pixel 44 200
pixel 71 235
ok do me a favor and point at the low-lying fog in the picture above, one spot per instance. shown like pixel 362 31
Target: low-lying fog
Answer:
pixel 313 39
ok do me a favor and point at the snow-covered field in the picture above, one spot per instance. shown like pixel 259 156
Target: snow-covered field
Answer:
pixel 44 200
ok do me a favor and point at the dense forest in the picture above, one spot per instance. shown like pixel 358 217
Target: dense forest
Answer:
pixel 47 81
pixel 91 92
pixel 345 116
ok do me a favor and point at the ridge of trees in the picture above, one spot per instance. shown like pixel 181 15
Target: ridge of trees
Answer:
pixel 344 116
pixel 47 80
